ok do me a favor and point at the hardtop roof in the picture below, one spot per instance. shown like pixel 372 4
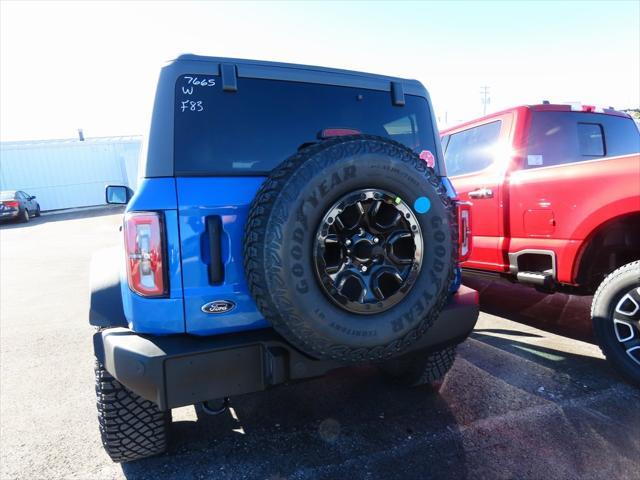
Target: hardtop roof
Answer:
pixel 294 72
pixel 279 65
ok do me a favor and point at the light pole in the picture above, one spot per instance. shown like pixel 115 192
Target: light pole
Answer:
pixel 484 92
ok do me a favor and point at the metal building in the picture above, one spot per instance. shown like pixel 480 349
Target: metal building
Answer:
pixel 69 173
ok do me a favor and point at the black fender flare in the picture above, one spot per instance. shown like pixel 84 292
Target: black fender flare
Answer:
pixel 105 304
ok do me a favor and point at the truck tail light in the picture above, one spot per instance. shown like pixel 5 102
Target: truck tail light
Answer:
pixel 145 253
pixel 11 204
pixel 464 225
pixel 337 132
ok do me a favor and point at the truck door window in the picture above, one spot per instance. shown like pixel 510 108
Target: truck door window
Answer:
pixel 472 150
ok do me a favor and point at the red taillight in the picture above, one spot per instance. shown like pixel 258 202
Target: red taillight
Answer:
pixel 11 204
pixel 464 225
pixel 144 251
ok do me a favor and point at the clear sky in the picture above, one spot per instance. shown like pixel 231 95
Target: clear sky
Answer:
pixel 94 65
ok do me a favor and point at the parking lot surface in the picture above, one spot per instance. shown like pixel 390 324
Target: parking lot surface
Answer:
pixel 528 397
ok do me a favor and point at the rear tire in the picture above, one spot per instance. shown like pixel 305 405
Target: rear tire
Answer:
pixel 420 369
pixel 130 426
pixel 24 218
pixel 615 313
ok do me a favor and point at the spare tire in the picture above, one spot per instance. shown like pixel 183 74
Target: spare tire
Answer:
pixel 350 248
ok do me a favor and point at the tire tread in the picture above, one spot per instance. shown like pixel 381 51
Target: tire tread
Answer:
pixel 599 326
pixel 130 426
pixel 423 370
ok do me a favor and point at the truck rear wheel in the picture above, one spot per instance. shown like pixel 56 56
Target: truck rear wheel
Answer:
pixel 420 368
pixel 130 426
pixel 615 313
pixel 350 248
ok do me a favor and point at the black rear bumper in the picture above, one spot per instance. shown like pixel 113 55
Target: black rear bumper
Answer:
pixel 179 370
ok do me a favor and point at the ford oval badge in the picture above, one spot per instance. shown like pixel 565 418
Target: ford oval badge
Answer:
pixel 218 306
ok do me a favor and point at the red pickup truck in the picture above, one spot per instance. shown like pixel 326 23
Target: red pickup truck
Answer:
pixel 555 193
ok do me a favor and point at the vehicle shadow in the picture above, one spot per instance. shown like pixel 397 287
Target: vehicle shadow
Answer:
pixel 352 424
pixel 490 420
pixel 559 313
pixel 575 417
pixel 339 426
pixel 49 217
pixel 561 366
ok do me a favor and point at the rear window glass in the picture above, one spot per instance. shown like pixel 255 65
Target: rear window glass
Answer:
pixel 250 131
pixel 472 150
pixel 558 138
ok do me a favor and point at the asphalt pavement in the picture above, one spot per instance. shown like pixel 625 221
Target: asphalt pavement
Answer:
pixel 529 395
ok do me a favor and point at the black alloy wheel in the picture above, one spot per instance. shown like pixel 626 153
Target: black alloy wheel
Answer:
pixel 368 251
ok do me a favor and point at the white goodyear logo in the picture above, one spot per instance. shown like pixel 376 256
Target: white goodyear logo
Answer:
pixel 218 306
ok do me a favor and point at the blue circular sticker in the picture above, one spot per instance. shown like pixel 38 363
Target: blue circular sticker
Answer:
pixel 422 205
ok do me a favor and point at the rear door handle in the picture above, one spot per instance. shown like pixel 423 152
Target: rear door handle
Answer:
pixel 214 231
pixel 481 193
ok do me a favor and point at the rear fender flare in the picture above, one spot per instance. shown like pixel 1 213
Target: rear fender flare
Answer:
pixel 105 305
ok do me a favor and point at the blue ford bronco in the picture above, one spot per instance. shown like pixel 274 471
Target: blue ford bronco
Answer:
pixel 290 220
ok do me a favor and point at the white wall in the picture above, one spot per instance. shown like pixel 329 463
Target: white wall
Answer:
pixel 69 173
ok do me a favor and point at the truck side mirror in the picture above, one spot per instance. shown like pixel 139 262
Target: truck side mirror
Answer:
pixel 118 194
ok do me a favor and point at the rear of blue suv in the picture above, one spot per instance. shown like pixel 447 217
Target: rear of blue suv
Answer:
pixel 290 220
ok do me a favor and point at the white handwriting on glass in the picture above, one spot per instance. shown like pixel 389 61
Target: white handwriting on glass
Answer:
pixel 204 82
pixel 192 106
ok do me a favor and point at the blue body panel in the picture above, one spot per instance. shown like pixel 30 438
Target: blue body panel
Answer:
pixel 230 198
pixel 157 315
pixel 185 203
pixel 154 194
